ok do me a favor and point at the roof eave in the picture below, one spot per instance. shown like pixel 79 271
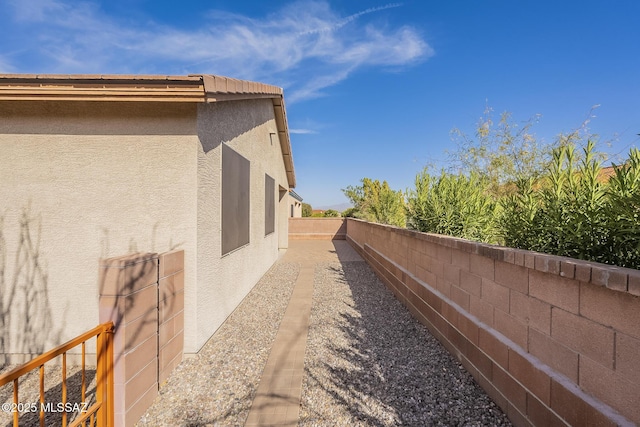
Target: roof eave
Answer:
pixel 149 88
pixel 91 87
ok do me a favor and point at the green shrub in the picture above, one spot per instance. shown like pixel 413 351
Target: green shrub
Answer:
pixel 573 213
pixel 502 151
pixel 377 202
pixel 351 213
pixel 623 213
pixel 512 190
pixel 307 210
pixel 456 205
pixel 331 213
pixel 517 220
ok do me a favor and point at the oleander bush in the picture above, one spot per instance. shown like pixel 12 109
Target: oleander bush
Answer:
pixel 457 205
pixel 568 209
pixel 623 213
pixel 507 188
pixel 572 212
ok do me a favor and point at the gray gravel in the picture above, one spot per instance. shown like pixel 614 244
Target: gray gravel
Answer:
pixel 218 385
pixel 29 393
pixel 369 363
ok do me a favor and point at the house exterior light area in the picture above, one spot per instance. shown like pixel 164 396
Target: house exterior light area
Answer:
pixel 101 166
pixel 295 205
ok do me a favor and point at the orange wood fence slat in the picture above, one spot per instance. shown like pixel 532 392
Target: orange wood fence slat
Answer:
pixel 102 411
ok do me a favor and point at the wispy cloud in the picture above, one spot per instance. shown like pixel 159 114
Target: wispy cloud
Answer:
pixel 344 21
pixel 306 46
pixel 302 131
pixel 5 66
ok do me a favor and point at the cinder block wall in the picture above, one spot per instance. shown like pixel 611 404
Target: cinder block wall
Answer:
pixel 552 340
pixel 128 297
pixel 317 228
pixel 143 294
pixel 170 312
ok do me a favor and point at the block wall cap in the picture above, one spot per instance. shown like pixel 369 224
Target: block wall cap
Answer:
pixel 615 278
pixel 127 260
pixel 198 88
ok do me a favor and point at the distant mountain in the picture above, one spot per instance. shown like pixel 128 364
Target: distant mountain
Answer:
pixel 341 207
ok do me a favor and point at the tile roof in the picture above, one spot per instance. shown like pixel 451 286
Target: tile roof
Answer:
pixel 148 88
pixel 97 87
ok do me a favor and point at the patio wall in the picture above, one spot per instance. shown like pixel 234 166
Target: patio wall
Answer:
pixel 551 339
pixel 317 228
pixel 143 294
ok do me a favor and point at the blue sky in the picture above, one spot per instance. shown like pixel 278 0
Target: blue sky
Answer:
pixel 372 88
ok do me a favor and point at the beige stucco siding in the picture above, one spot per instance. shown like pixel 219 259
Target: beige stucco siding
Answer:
pixel 84 181
pixel 80 181
pixel 249 128
pixel 295 207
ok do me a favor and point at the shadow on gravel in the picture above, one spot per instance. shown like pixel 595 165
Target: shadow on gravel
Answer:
pixel 396 372
pixel 53 397
pixel 239 405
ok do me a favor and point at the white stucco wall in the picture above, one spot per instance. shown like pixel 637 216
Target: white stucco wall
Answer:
pixel 295 206
pixel 249 128
pixel 98 180
pixel 92 180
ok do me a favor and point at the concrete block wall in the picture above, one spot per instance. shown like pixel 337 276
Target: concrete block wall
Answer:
pixel 552 340
pixel 317 228
pixel 170 312
pixel 147 311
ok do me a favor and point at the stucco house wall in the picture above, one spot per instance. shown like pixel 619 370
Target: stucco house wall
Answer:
pixel 295 205
pixel 249 128
pixel 82 180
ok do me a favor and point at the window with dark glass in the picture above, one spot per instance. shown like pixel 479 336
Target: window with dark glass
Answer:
pixel 235 200
pixel 269 205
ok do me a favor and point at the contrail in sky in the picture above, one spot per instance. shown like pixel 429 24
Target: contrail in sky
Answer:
pixel 351 18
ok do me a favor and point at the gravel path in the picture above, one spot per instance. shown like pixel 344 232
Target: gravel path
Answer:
pixel 369 363
pixel 29 393
pixel 217 386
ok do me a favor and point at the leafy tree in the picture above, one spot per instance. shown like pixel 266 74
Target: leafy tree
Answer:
pixel 350 213
pixel 504 152
pixel 377 202
pixel 307 210
pixel 331 213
